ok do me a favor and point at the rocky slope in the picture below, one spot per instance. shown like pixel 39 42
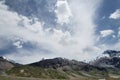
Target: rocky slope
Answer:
pixel 112 61
pixel 63 63
pixel 5 64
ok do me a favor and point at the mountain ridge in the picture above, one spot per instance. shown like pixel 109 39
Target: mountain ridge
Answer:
pixel 62 68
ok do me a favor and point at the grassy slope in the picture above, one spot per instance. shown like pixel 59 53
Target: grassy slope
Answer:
pixel 24 78
pixel 37 72
pixel 20 78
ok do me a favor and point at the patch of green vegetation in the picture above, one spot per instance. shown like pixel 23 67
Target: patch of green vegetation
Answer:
pixel 49 73
pixel 114 71
pixel 37 72
pixel 56 74
pixel 108 78
pixel 97 73
pixel 79 73
pixel 23 78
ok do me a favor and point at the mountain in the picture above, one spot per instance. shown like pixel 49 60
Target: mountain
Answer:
pixel 108 62
pixel 112 53
pixel 62 68
pixel 112 61
pixel 6 65
pixel 57 63
pixel 58 68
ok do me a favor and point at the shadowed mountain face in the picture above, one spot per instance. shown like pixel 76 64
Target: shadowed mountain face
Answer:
pixel 107 62
pixel 63 63
pixel 113 61
pixel 5 65
pixel 112 53
pixel 56 63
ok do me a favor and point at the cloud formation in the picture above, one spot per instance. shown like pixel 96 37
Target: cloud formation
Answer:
pixel 115 15
pixel 106 33
pixel 63 12
pixel 79 40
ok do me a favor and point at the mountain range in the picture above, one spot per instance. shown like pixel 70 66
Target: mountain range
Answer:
pixel 62 68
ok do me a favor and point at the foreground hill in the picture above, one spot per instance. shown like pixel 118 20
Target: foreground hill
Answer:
pixel 6 65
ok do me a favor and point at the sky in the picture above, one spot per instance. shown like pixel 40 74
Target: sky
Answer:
pixel 31 30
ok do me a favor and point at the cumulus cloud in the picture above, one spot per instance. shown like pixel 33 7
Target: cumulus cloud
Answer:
pixel 112 46
pixel 63 12
pixel 115 15
pixel 52 42
pixel 106 33
pixel 18 44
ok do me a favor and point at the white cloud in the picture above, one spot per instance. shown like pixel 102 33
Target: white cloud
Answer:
pixel 106 33
pixel 63 12
pixel 18 44
pixel 114 36
pixel 80 44
pixel 115 15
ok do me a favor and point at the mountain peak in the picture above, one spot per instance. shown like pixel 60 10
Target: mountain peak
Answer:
pixel 1 57
pixel 112 53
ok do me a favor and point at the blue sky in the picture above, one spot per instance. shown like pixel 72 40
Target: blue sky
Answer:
pixel 104 22
pixel 75 29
